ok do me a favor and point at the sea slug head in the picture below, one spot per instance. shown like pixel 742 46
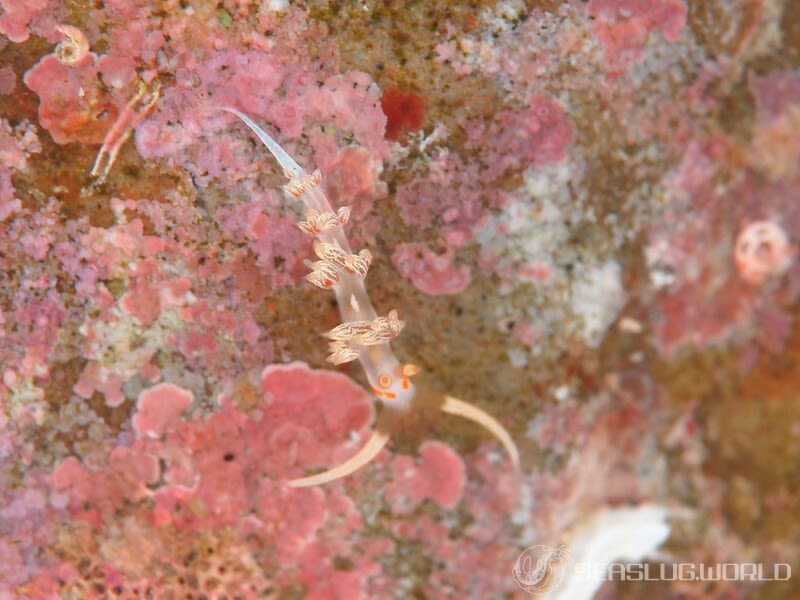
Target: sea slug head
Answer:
pixel 392 383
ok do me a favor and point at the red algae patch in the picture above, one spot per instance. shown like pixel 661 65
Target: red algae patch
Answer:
pixel 405 111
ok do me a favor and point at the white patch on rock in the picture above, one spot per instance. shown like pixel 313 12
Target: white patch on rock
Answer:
pixel 611 535
pixel 598 297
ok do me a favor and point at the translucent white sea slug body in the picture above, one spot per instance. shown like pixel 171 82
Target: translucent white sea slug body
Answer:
pixel 363 334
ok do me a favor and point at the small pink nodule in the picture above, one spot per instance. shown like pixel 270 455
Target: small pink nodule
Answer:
pixel 762 251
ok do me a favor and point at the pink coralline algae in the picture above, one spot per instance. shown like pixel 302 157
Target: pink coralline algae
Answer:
pixel 150 295
pixel 15 17
pixel 454 194
pixel 587 214
pixel 429 272
pixel 539 135
pixel 221 472
pixel 253 81
pixel 159 407
pixel 623 26
pixel 446 195
pixel 74 104
pixel 17 144
pixel 440 476
pixel 761 247
pixel 353 179
pixel 326 407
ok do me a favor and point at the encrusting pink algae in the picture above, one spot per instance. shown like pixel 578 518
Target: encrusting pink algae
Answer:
pixel 578 224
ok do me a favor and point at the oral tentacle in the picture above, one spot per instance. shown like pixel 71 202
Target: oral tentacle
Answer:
pixel 287 163
pixel 454 406
pixel 370 450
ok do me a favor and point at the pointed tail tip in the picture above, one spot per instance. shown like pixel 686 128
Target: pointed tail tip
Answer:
pixel 370 450
pixel 454 406
pixel 287 163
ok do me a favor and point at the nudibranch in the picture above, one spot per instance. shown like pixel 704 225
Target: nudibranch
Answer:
pixel 363 335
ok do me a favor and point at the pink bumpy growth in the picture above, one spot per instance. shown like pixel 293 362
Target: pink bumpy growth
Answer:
pixel 441 476
pixel 15 16
pixel 541 134
pixel 622 26
pixel 159 408
pixel 431 273
pixel 74 105
pixel 353 180
pixel 762 251
pixel 313 410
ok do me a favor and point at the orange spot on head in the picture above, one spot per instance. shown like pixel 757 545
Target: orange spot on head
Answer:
pixel 384 393
pixel 410 370
pixel 406 371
